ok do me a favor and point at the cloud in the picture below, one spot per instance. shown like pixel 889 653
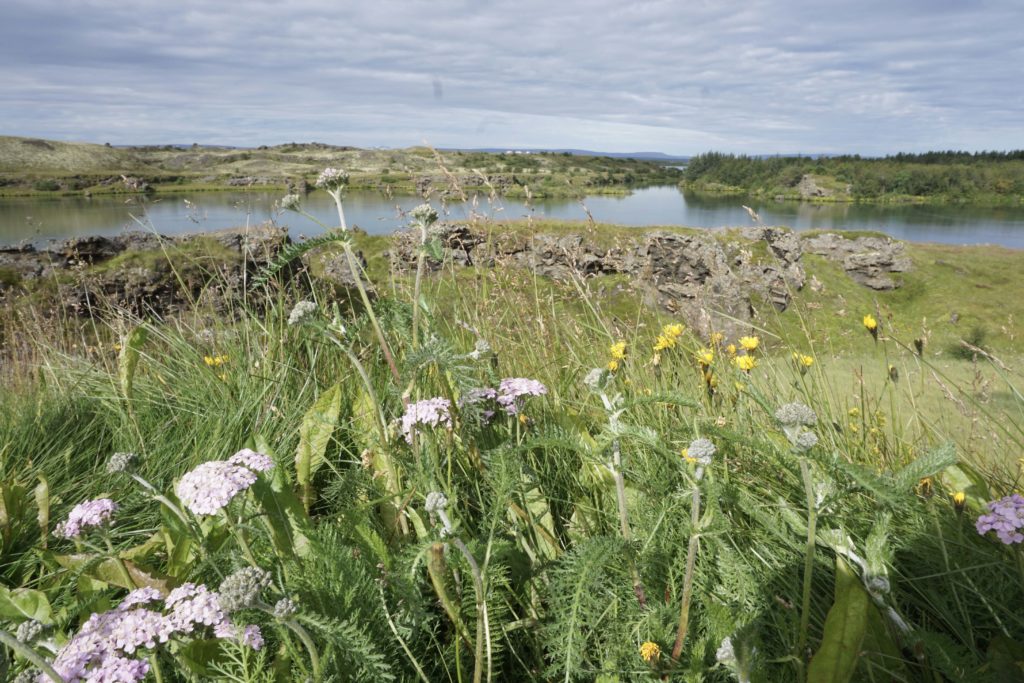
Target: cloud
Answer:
pixel 762 77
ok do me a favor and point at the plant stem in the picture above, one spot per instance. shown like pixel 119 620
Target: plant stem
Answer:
pixel 31 655
pixel 627 535
pixel 805 603
pixel 691 560
pixel 240 537
pixel 481 609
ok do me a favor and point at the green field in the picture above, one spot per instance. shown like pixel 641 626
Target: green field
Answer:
pixel 582 532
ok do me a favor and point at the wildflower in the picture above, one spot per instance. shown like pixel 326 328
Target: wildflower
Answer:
pixel 140 596
pixel 120 462
pixel 215 361
pixel 613 365
pixel 302 312
pixel 871 325
pixel 290 202
pixel 959 499
pixel 796 414
pixel 705 356
pixel 806 440
pixel 257 462
pixel 802 362
pixel 673 330
pixel 749 344
pixel 241 590
pixel 745 363
pixel 193 606
pixel 251 636
pixel 524 419
pixel 332 179
pixel 28 631
pixel 618 350
pixel 285 608
pixel 853 412
pixel 92 513
pixel 664 342
pixel 731 350
pixel 650 652
pixel 512 389
pixel 432 412
pixel 700 451
pixel 211 486
pixel 716 338
pixel 1005 517
pixel 424 214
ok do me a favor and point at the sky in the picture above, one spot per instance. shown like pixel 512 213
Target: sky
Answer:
pixel 676 76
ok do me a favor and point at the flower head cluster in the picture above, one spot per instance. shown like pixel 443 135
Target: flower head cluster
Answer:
pixel 210 487
pixel 705 357
pixel 120 462
pixel 745 363
pixel 285 608
pixel 1006 518
pixel 106 647
pixel 803 362
pixel 302 312
pixel 241 590
pixel 290 202
pixel 424 214
pixel 749 344
pixel 431 412
pixel 650 651
pixel 618 353
pixel 28 631
pixel 479 398
pixel 669 337
pixel 332 179
pixel 90 514
pixel 796 415
pixel 700 451
pixel 512 389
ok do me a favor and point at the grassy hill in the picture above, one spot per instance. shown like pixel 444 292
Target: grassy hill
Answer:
pixel 29 166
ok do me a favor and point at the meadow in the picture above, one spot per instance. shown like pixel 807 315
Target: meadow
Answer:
pixel 477 474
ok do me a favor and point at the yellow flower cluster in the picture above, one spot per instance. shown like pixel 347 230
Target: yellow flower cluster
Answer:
pixel 650 651
pixel 705 356
pixel 669 337
pixel 215 361
pixel 618 354
pixel 745 363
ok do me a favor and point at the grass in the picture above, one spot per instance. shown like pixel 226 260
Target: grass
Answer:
pixel 571 535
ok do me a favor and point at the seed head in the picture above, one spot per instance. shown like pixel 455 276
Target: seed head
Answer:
pixel 120 462
pixel 242 589
pixel 285 608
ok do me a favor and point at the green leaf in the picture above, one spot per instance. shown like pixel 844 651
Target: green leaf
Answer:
pixel 22 604
pixel 963 477
pixel 128 360
pixel 847 621
pixel 108 571
pixel 286 519
pixel 314 435
pixel 929 464
pixel 1007 659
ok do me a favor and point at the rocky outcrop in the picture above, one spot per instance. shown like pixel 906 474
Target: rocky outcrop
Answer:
pixel 146 273
pixel 869 261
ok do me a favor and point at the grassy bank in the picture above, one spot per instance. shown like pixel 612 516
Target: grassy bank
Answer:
pixel 645 509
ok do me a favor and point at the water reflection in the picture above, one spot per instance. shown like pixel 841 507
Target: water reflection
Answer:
pixel 38 220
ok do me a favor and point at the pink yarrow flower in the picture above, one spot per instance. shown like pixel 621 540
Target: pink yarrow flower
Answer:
pixel 431 412
pixel 513 389
pixel 209 488
pixel 90 514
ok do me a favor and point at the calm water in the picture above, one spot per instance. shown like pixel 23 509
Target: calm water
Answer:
pixel 38 220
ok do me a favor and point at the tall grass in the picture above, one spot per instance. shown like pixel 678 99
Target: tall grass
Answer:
pixel 569 544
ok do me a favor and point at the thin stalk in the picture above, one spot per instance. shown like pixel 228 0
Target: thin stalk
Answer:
pixel 307 641
pixel 354 267
pixel 805 603
pixel 627 535
pixel 240 537
pixel 401 641
pixel 31 655
pixel 420 263
pixel 481 610
pixel 691 559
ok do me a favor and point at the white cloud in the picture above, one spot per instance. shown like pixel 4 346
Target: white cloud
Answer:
pixel 755 76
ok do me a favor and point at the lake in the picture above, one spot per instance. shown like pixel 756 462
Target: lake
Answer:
pixel 38 220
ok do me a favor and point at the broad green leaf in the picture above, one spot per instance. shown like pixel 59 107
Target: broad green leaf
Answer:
pixel 22 604
pixel 108 571
pixel 128 359
pixel 286 519
pixel 836 659
pixel 963 477
pixel 314 435
pixel 12 502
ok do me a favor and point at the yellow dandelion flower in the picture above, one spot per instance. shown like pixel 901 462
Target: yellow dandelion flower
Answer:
pixel 618 350
pixel 854 412
pixel 854 428
pixel 613 365
pixel 717 337
pixel 523 419
pixel 802 360
pixel 745 363
pixel 870 323
pixel 959 499
pixel 705 356
pixel 663 342
pixel 731 349
pixel 215 361
pixel 673 330
pixel 749 343
pixel 650 652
